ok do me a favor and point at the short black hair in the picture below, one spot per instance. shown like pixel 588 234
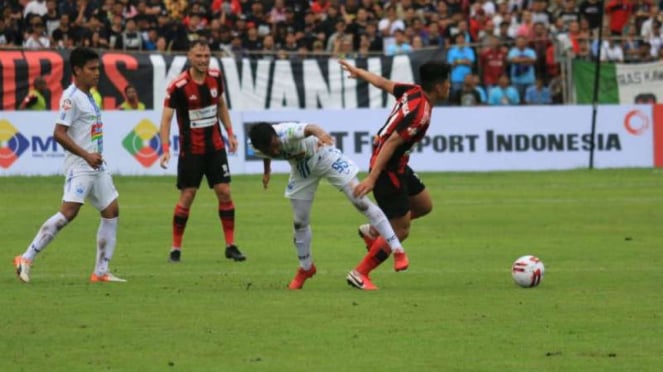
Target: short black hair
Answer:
pixel 431 73
pixel 80 56
pixel 261 135
pixel 195 43
pixel 129 86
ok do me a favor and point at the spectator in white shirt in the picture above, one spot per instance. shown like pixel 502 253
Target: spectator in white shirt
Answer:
pixel 37 7
pixel 37 38
pixel 390 23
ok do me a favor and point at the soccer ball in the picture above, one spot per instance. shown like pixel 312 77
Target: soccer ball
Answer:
pixel 527 271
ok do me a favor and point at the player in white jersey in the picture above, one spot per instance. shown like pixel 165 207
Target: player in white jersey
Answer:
pixel 79 130
pixel 312 156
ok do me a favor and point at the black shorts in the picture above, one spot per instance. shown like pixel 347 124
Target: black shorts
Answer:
pixel 392 191
pixel 192 167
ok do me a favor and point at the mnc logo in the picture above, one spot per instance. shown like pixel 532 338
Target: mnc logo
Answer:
pixel 12 144
pixel 143 143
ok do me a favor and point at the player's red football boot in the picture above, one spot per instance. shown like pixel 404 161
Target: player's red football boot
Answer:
pixel 301 276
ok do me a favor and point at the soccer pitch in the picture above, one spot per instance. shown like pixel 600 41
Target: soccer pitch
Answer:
pixel 599 307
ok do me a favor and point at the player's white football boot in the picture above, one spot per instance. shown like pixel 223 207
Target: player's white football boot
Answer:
pixel 22 268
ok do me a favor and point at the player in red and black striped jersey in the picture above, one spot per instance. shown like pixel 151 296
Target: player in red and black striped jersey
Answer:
pixel 196 97
pixel 396 188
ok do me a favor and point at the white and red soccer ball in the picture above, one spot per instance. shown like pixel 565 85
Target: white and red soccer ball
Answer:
pixel 527 271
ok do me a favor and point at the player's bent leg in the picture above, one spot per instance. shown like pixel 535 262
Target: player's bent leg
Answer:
pixel 421 204
pixel 376 218
pixel 44 236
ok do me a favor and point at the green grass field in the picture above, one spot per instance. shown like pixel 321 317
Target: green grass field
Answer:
pixel 599 307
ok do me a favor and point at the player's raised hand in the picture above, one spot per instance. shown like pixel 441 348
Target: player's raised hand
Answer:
pixel 165 158
pixel 352 70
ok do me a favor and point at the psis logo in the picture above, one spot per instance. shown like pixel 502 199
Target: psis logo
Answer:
pixel 143 143
pixel 12 144
pixel 636 122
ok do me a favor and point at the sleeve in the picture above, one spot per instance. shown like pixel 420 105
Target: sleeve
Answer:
pixel 411 122
pixel 471 55
pixel 68 111
pixel 171 96
pixel 512 53
pixel 451 56
pixel 290 131
pixel 400 88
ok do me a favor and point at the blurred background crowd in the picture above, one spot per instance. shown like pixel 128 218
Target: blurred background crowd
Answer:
pixel 501 51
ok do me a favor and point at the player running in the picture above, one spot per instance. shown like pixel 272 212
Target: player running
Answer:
pixel 79 130
pixel 397 189
pixel 312 156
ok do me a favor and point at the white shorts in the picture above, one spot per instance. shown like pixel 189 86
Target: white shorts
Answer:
pixel 328 163
pixel 95 186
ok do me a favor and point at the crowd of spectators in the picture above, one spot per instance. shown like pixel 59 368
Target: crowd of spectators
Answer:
pixel 501 51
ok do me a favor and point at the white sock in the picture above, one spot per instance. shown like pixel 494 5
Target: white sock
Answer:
pixel 303 237
pixel 45 235
pixel 106 239
pixel 375 216
pixel 302 232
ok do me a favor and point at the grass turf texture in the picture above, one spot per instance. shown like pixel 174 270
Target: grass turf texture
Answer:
pixel 598 308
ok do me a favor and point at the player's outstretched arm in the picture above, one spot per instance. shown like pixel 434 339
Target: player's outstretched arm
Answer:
pixel 164 132
pixel 323 137
pixel 374 79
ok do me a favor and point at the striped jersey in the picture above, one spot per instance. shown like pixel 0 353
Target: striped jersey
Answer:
pixel 196 106
pixel 410 118
pixel 80 113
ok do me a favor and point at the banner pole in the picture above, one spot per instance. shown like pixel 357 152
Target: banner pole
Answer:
pixel 597 76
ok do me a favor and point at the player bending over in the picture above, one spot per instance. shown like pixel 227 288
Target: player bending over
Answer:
pixel 312 157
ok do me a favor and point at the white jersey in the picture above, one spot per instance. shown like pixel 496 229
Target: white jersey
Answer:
pixel 80 113
pixel 295 147
pixel 310 162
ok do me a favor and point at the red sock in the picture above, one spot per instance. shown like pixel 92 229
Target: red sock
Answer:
pixel 227 216
pixel 378 253
pixel 180 217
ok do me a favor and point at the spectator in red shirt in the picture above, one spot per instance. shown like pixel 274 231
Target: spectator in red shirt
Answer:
pixel 320 6
pixel 619 12
pixel 476 23
pixel 492 62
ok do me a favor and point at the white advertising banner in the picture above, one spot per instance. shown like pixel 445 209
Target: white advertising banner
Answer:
pixel 459 139
pixel 495 138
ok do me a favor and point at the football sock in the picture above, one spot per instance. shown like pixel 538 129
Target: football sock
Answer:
pixel 376 217
pixel 106 239
pixel 227 216
pixel 381 224
pixel 45 235
pixel 180 218
pixel 302 231
pixel 378 253
pixel 302 241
